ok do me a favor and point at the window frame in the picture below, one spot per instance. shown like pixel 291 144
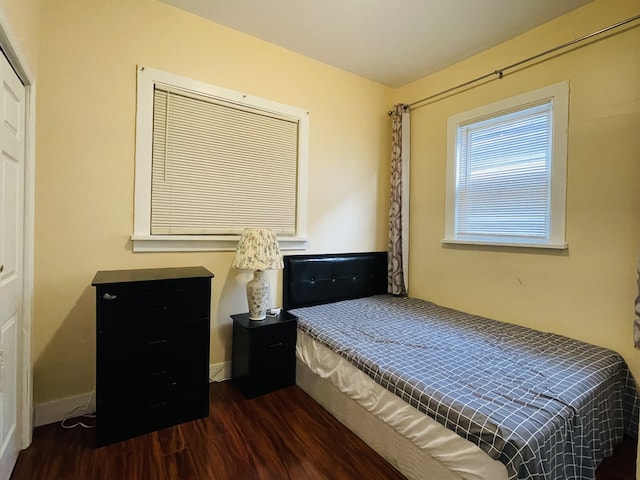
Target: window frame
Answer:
pixel 559 94
pixel 143 240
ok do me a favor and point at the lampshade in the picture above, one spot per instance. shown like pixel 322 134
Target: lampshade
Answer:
pixel 258 250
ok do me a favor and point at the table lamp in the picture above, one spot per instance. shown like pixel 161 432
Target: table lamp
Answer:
pixel 258 250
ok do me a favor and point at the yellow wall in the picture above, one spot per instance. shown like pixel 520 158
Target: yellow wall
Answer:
pixel 85 165
pixel 23 17
pixel 586 292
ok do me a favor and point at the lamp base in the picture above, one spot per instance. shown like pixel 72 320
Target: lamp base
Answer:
pixel 257 296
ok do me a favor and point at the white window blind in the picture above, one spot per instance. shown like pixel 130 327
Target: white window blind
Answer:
pixel 506 171
pixel 504 175
pixel 218 167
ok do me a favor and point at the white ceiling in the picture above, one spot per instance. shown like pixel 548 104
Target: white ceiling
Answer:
pixel 389 41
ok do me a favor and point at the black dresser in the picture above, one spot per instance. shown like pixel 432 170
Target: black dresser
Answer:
pixel 264 353
pixel 152 349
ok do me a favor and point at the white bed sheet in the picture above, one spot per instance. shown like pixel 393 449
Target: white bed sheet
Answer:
pixel 455 453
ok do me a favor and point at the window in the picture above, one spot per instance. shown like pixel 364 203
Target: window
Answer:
pixel 506 171
pixel 211 162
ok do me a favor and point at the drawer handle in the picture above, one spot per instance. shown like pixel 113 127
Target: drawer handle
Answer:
pixel 108 296
pixel 158 309
pixel 157 342
pixel 156 405
pixel 275 345
pixel 157 374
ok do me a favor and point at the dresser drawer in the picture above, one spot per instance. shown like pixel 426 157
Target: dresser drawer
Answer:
pixel 146 401
pixel 120 309
pixel 128 415
pixel 140 359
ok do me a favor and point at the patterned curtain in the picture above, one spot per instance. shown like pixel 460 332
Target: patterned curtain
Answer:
pixel 636 323
pixel 399 203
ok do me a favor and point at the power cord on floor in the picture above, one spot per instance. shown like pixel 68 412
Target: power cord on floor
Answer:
pixel 83 408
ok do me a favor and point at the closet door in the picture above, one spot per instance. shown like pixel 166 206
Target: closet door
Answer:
pixel 12 153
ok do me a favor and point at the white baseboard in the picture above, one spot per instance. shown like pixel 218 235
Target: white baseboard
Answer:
pixel 57 410
pixel 74 406
pixel 220 372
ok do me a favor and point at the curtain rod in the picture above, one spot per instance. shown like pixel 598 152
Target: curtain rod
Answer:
pixel 500 72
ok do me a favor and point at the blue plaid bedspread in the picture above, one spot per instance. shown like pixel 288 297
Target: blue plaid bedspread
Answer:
pixel 547 406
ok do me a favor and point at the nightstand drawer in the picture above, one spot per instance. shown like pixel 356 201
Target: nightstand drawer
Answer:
pixel 274 353
pixel 273 380
pixel 274 345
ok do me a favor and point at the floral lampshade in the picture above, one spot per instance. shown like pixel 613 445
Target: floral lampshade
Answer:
pixel 258 250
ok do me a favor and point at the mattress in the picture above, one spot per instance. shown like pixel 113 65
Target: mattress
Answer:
pixel 418 446
pixel 546 406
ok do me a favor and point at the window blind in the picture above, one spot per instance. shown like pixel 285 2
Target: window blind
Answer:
pixel 503 177
pixel 218 168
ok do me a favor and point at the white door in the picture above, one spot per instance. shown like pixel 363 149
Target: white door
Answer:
pixel 12 153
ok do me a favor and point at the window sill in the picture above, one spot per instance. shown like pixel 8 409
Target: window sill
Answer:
pixel 552 246
pixel 203 243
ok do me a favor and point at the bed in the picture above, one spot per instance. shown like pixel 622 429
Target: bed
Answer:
pixel 443 394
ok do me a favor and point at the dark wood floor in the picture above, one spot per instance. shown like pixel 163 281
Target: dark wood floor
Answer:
pixel 279 436
pixel 622 465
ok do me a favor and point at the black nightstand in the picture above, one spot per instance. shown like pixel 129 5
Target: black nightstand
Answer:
pixel 264 353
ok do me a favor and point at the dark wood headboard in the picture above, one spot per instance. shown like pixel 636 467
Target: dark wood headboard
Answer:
pixel 315 279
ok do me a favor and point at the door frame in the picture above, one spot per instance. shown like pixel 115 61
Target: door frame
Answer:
pixel 12 49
